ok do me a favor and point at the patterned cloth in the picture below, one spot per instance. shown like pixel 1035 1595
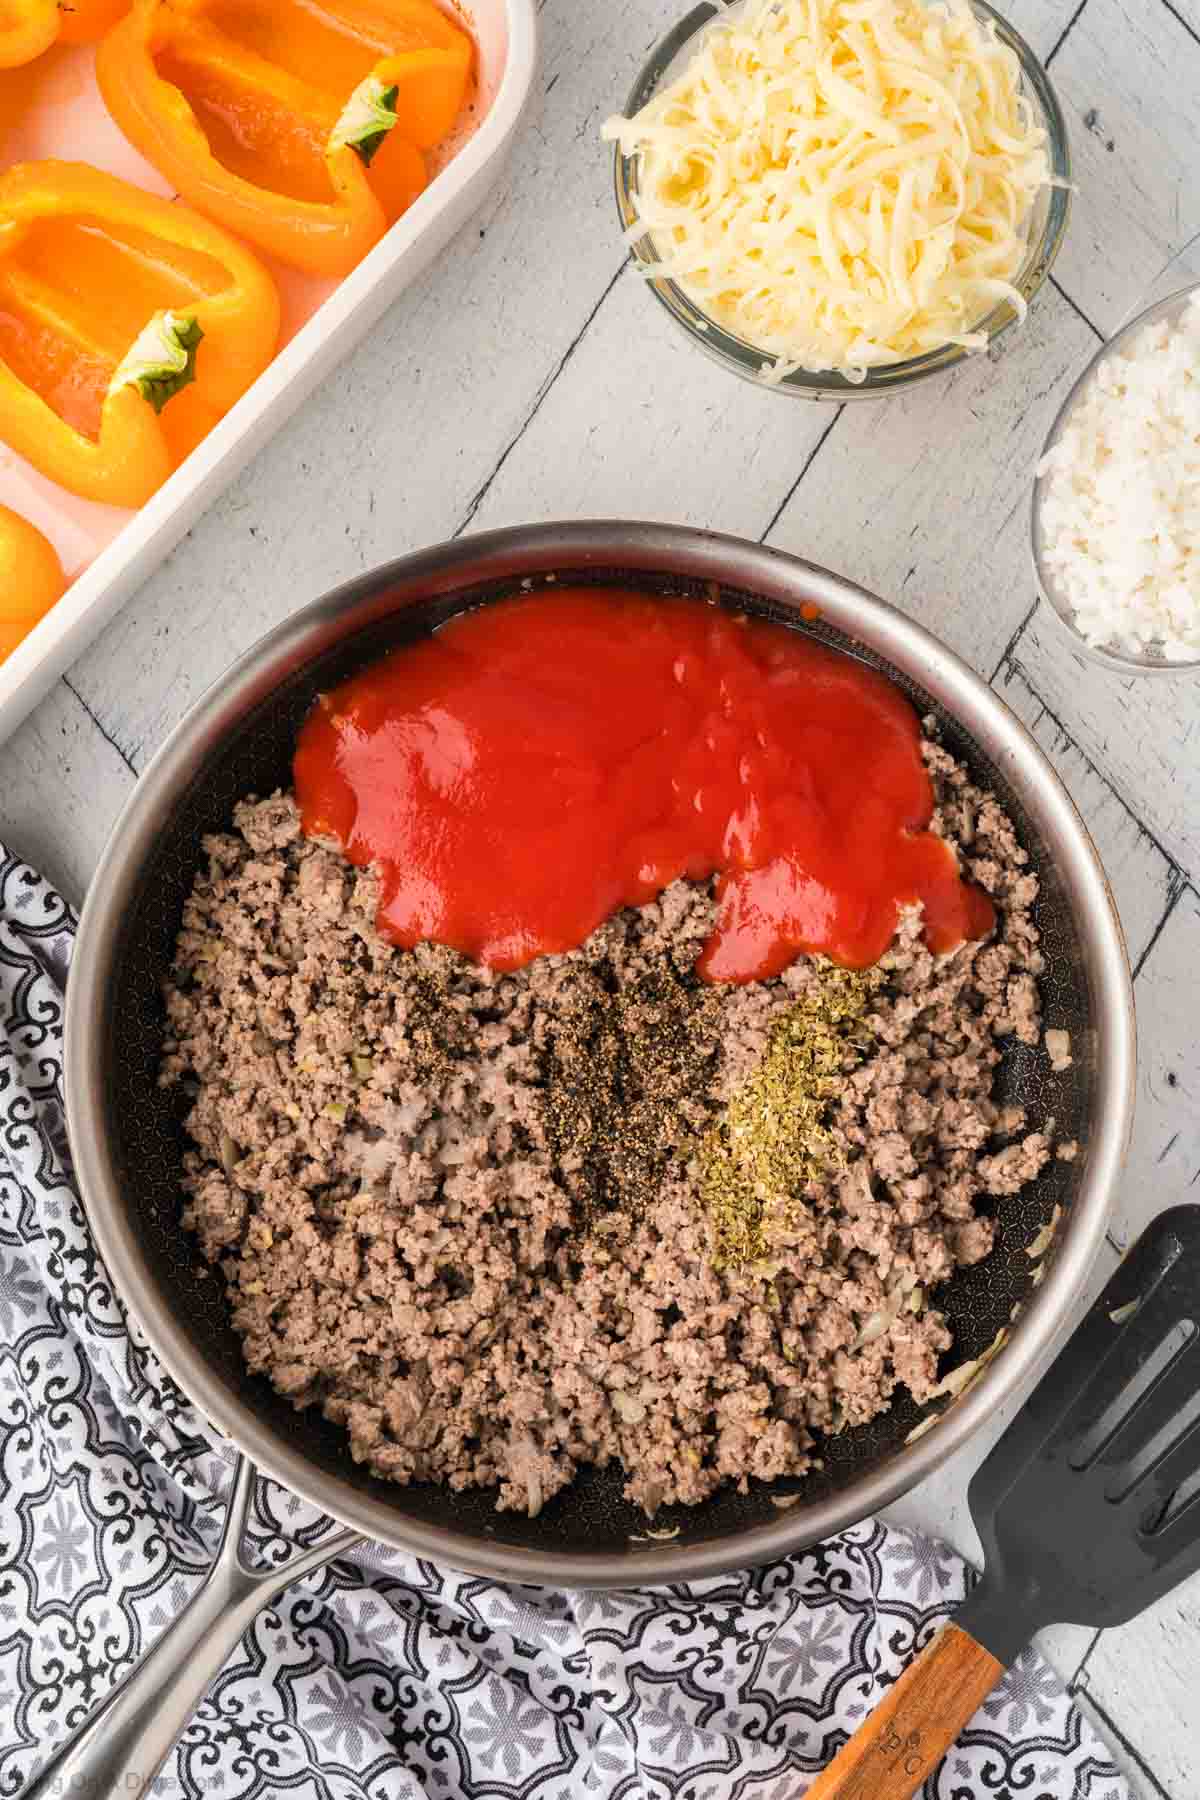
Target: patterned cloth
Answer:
pixel 386 1676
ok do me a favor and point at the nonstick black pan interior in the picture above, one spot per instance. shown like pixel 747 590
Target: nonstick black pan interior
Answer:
pixel 591 1516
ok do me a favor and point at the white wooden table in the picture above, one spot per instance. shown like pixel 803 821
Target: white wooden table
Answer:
pixel 529 377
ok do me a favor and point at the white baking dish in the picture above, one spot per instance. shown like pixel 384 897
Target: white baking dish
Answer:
pixel 506 34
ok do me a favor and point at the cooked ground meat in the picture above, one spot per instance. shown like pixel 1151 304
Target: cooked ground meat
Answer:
pixel 460 1210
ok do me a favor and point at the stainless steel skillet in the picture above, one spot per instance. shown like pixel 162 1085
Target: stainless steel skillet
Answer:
pixel 127 1142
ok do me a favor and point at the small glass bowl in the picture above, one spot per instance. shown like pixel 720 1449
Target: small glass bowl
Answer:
pixel 1128 662
pixel 1047 227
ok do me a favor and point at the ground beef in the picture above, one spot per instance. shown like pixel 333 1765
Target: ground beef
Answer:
pixel 400 1167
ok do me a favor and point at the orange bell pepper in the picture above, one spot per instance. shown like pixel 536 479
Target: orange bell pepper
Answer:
pixel 301 128
pixel 31 578
pixel 128 326
pixel 27 27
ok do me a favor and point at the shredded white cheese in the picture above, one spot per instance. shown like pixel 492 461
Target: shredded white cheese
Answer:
pixel 842 184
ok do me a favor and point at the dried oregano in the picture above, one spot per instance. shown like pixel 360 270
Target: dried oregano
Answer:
pixel 774 1136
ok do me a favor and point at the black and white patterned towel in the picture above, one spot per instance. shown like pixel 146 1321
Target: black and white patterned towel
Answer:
pixel 386 1676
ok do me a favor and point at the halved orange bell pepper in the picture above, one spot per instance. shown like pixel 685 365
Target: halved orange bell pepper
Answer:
pixel 31 578
pixel 27 27
pixel 128 326
pixel 301 128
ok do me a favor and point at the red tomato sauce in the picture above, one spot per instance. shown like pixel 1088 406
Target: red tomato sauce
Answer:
pixel 537 765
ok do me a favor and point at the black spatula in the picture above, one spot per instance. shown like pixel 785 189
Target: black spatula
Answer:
pixel 1088 1509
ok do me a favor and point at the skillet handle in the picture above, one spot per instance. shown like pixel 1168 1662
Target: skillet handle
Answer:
pixel 910 1731
pixel 123 1743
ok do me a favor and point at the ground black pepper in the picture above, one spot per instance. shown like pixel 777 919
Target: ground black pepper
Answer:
pixel 626 1072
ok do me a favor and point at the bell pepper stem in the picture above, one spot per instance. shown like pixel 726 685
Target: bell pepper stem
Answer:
pixel 161 359
pixel 366 118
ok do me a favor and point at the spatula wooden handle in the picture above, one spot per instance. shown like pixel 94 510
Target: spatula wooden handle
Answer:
pixel 911 1730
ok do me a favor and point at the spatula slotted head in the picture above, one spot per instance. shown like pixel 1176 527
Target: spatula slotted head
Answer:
pixel 1089 1505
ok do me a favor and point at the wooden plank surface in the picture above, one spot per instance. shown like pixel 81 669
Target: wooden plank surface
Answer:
pixel 62 783
pixel 933 511
pixel 1143 731
pixel 665 432
pixel 528 376
pixel 1128 79
pixel 1143 1679
pixel 1144 879
pixel 1164 1159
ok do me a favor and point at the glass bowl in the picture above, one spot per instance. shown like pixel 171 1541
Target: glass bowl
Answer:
pixel 1047 228
pixel 1128 662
